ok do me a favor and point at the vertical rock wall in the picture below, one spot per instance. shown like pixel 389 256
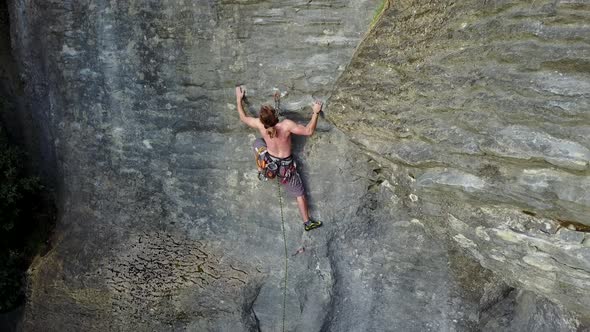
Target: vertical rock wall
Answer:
pixel 484 110
pixel 137 98
pixel 432 151
pixel 23 108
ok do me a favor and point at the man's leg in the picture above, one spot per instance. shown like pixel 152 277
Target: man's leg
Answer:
pixel 308 224
pixel 302 205
pixel 295 188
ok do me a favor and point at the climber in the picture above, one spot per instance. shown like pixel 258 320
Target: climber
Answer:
pixel 273 150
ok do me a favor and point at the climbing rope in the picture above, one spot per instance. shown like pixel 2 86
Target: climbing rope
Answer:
pixel 286 255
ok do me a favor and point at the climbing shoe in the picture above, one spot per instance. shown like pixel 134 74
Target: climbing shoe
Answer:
pixel 311 224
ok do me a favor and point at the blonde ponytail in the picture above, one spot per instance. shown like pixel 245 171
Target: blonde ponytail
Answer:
pixel 268 117
pixel 272 132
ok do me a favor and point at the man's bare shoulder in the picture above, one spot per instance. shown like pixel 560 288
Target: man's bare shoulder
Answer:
pixel 288 123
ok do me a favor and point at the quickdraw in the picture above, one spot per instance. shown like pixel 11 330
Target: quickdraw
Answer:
pixel 261 161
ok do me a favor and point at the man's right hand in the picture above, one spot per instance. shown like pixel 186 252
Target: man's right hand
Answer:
pixel 240 92
pixel 317 106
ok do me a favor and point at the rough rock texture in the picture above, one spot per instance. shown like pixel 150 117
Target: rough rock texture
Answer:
pixel 484 108
pixel 442 131
pixel 139 98
pixel 525 311
pixel 154 280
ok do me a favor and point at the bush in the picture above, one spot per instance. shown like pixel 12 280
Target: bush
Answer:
pixel 19 202
pixel 14 185
pixel 11 280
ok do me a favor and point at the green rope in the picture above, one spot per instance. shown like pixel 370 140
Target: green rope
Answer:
pixel 286 255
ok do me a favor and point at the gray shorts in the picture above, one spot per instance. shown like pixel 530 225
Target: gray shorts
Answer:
pixel 293 185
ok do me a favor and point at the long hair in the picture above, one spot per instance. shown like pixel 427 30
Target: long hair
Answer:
pixel 268 117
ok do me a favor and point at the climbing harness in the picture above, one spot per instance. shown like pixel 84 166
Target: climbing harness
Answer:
pixel 271 167
pixel 286 255
pixel 284 168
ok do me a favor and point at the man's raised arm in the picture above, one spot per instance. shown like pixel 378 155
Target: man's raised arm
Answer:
pixel 310 128
pixel 250 121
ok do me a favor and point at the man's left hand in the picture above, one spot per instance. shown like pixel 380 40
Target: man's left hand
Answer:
pixel 317 106
pixel 240 92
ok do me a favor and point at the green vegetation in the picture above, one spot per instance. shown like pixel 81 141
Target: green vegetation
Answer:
pixel 379 11
pixel 24 221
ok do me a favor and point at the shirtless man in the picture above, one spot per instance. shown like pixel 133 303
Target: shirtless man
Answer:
pixel 275 145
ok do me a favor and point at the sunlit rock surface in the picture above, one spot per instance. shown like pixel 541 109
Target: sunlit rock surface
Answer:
pixel 484 109
pixel 450 168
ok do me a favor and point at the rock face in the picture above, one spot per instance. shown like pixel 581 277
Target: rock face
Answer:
pixel 456 139
pixel 484 109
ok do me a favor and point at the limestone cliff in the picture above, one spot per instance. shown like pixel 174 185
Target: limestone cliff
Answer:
pixel 450 169
pixel 482 114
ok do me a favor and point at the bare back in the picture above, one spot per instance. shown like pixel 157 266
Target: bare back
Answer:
pixel 280 145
